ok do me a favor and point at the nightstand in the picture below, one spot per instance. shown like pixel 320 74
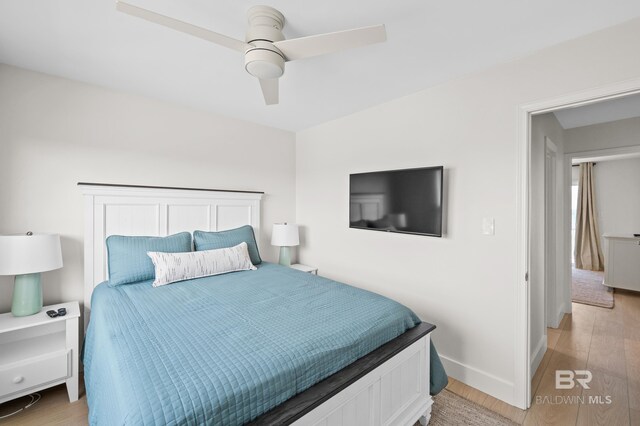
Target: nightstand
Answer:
pixel 305 268
pixel 37 352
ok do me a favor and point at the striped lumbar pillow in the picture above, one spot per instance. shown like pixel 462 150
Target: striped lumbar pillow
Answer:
pixel 174 267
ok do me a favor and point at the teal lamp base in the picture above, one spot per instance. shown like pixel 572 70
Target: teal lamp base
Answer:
pixel 285 256
pixel 27 295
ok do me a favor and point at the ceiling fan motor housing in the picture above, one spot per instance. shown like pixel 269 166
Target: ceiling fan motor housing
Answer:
pixel 264 60
pixel 265 23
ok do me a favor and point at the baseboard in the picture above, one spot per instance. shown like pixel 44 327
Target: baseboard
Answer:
pixel 564 309
pixel 538 354
pixel 481 380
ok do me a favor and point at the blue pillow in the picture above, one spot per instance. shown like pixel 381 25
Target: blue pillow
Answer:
pixel 128 260
pixel 224 239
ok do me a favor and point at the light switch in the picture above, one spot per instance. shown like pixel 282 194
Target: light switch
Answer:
pixel 488 226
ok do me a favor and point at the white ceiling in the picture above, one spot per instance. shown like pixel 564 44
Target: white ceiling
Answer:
pixel 600 112
pixel 428 42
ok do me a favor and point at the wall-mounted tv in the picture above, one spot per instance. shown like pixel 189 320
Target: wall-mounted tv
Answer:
pixel 406 201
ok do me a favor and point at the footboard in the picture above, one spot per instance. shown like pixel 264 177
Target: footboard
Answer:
pixel 396 393
pixel 390 386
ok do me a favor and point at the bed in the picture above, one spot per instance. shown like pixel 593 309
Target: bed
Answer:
pixel 270 346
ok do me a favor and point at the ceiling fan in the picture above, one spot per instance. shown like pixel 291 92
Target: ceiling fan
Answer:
pixel 265 49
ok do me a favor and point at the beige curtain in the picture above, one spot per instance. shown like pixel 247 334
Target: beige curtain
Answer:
pixel 588 254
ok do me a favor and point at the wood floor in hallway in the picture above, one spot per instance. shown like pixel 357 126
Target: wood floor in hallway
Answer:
pixel 605 342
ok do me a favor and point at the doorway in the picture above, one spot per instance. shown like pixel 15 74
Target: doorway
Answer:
pixel 524 346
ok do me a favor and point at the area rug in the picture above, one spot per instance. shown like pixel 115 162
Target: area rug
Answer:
pixel 450 409
pixel 587 288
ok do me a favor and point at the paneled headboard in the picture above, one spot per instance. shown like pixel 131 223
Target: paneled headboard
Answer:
pixel 155 211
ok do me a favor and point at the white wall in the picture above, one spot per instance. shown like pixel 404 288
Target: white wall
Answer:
pixel 465 283
pixel 56 132
pixel 542 127
pixel 618 196
pixel 615 134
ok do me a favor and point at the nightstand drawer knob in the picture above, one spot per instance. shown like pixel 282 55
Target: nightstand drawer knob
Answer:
pixel 18 379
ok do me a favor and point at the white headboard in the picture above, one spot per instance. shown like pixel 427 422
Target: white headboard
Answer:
pixel 155 211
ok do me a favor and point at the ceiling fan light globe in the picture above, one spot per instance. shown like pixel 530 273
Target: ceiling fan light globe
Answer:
pixel 264 64
pixel 264 70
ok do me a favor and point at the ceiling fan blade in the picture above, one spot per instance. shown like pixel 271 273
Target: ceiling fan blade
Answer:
pixel 270 90
pixel 306 47
pixel 181 26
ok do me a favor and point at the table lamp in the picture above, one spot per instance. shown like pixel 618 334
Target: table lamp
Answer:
pixel 25 256
pixel 286 236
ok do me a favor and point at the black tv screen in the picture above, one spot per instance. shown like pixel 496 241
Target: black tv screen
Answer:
pixel 406 201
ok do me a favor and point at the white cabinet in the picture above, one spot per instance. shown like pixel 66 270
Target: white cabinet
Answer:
pixel 37 352
pixel 622 262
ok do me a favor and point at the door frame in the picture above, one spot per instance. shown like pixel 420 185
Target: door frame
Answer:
pixel 550 232
pixel 522 316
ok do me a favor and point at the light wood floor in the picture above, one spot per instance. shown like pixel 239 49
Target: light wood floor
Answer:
pixel 603 341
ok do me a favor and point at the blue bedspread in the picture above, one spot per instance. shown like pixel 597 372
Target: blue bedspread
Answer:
pixel 223 350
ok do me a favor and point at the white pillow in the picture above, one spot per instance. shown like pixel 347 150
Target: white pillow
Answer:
pixel 173 267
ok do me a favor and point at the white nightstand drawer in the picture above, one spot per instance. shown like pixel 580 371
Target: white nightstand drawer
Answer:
pixel 34 372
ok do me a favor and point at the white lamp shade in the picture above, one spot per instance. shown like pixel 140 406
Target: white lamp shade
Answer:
pixel 285 235
pixel 28 254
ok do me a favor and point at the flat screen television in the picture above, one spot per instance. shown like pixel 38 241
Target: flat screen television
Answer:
pixel 407 201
